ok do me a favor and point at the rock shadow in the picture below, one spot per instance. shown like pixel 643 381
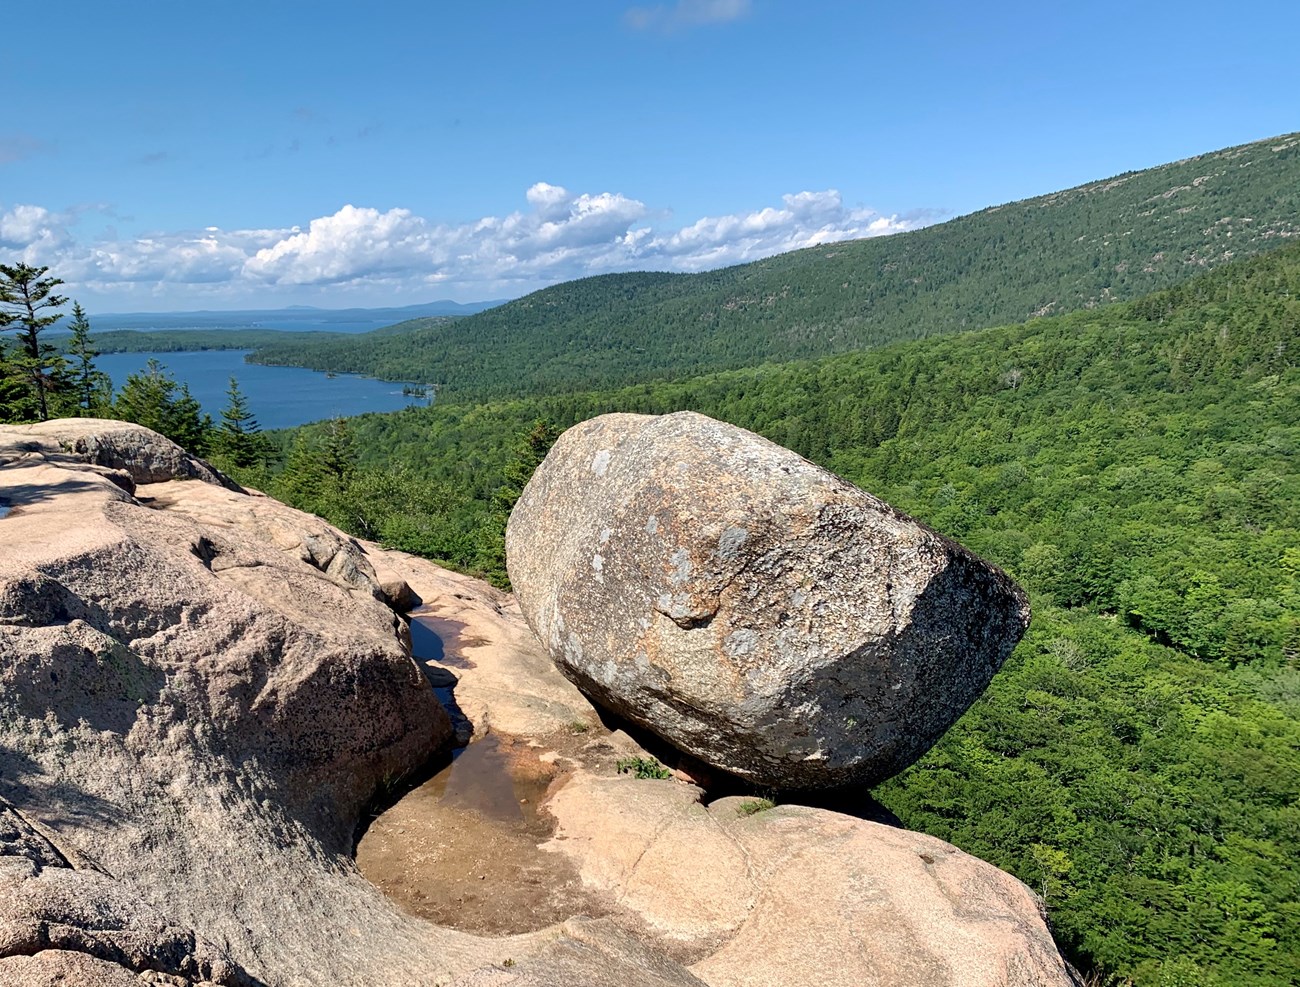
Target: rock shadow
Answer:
pixel 16 496
pixel 86 679
pixel 27 787
pixel 436 647
pixel 850 800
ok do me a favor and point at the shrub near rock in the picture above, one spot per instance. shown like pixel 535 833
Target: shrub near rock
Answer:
pixel 749 607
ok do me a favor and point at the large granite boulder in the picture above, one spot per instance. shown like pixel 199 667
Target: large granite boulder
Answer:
pixel 749 607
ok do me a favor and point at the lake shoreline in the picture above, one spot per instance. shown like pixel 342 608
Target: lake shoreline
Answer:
pixel 279 396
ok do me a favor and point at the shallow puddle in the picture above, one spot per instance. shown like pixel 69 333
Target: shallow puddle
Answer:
pixel 462 849
pixel 438 639
pixel 502 785
pixel 437 646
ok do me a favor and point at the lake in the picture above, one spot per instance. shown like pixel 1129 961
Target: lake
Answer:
pixel 279 397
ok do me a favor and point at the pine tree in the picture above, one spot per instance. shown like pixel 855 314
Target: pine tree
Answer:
pixel 92 387
pixel 151 398
pixel 16 401
pixel 26 293
pixel 529 454
pixel 239 437
pixel 319 469
pixel 300 481
pixel 339 452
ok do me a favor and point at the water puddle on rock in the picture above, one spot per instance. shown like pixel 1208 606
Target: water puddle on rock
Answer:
pixel 462 849
pixel 438 639
pixel 438 647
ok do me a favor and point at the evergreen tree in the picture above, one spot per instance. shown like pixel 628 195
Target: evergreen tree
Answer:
pixel 151 398
pixel 28 303
pixel 16 401
pixel 529 454
pixel 490 558
pixel 339 452
pixel 239 437
pixel 319 469
pixel 92 387
pixel 299 482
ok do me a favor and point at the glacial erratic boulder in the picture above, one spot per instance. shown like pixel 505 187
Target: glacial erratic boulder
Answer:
pixel 749 607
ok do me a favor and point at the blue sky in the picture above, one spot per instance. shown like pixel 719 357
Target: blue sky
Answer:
pixel 182 155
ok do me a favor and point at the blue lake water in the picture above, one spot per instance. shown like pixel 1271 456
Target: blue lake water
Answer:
pixel 278 397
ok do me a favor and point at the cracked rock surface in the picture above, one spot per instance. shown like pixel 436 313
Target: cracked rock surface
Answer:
pixel 749 607
pixel 200 692
pixel 202 689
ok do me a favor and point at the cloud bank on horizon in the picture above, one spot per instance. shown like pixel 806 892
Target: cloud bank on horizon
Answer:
pixel 360 255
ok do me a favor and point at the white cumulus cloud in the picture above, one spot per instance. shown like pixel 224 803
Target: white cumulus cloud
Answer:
pixel 363 255
pixel 806 219
pixel 32 232
pixel 352 243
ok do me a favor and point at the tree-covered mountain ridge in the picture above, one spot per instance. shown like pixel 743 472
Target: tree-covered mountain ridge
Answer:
pixel 1137 760
pixel 1105 241
pixel 234 338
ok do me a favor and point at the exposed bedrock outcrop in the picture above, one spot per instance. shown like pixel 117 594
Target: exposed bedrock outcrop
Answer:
pixel 118 448
pixel 751 608
pixel 201 689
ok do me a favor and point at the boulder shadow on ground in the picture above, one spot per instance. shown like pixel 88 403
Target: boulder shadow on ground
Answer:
pixel 851 800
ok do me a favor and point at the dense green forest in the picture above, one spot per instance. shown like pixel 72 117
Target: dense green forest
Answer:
pixel 1107 241
pixel 178 340
pixel 1137 761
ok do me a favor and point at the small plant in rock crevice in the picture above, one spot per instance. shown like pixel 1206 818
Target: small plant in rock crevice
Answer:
pixel 753 807
pixel 642 767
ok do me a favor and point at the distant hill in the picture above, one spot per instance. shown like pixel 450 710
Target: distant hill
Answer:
pixel 301 318
pixel 186 340
pixel 1137 761
pixel 1107 241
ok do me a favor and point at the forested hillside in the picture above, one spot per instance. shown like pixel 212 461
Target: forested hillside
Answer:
pixel 1138 759
pixel 182 340
pixel 1111 240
